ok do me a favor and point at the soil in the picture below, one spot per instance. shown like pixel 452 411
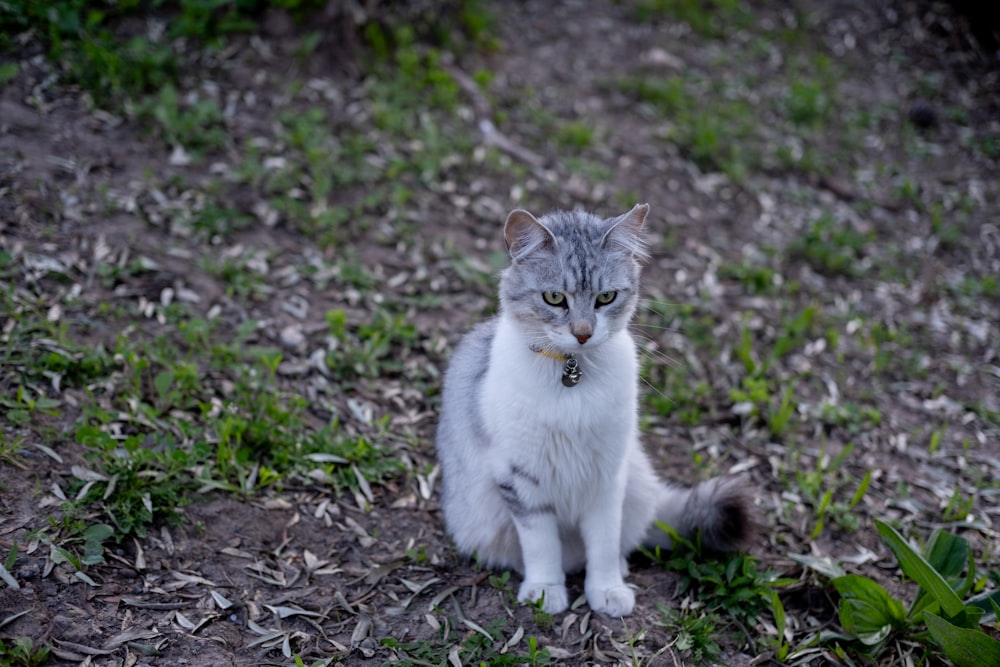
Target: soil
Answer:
pixel 344 573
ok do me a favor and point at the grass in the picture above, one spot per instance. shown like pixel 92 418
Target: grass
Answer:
pixel 157 427
pixel 171 401
pixel 695 634
pixel 478 645
pixel 116 67
pixel 833 248
pixel 721 594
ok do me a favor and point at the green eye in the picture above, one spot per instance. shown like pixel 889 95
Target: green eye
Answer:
pixel 604 298
pixel 554 298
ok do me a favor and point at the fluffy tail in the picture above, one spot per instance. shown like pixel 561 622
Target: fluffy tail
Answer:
pixel 720 508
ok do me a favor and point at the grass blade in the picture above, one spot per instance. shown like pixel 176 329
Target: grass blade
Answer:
pixel 919 570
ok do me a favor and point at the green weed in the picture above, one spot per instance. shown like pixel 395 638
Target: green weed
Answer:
pixel 185 412
pixel 86 37
pixel 711 19
pixel 758 279
pixel 944 615
pixel 695 634
pixel 575 135
pixel 7 72
pixel 807 103
pixel 195 124
pixel 371 349
pixel 479 646
pixel 848 415
pixel 23 653
pixel 825 486
pixel 833 248
pixel 715 136
pixel 23 408
pixel 729 584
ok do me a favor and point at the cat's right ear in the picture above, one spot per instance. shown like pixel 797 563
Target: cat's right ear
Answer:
pixel 524 234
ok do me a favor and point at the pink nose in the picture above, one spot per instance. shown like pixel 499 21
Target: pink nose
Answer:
pixel 583 338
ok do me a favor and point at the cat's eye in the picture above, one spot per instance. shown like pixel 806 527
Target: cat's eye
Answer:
pixel 554 298
pixel 604 298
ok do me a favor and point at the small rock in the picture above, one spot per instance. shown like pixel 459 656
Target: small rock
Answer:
pixel 292 336
pixel 179 157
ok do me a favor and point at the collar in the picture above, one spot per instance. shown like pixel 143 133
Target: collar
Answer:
pixel 572 374
pixel 548 353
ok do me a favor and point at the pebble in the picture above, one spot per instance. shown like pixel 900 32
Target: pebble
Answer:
pixel 292 336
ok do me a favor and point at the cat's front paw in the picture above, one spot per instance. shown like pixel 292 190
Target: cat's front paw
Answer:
pixel 553 596
pixel 613 601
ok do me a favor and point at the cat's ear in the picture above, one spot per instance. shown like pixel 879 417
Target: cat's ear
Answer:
pixel 626 231
pixel 524 234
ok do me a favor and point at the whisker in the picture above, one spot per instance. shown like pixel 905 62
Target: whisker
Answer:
pixel 655 353
pixel 658 326
pixel 664 359
pixel 658 392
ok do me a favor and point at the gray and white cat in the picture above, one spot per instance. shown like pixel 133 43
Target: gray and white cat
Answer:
pixel 542 468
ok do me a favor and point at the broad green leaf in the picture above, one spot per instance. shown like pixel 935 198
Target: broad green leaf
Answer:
pixel 947 553
pixel 919 570
pixel 865 621
pixel 98 532
pixel 964 647
pixel 969 618
pixel 866 609
pixel 162 382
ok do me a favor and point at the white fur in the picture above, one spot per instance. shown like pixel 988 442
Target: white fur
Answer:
pixel 582 444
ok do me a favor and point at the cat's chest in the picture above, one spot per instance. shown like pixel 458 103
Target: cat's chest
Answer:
pixel 524 392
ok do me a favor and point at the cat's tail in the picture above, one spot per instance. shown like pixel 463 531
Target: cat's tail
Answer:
pixel 720 509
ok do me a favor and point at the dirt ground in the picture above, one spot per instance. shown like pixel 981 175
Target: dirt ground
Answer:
pixel 332 576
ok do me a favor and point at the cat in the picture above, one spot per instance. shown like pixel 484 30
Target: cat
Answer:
pixel 538 438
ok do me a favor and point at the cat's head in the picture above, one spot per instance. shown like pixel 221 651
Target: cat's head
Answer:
pixel 573 281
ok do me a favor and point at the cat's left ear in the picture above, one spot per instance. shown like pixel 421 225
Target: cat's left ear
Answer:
pixel 626 231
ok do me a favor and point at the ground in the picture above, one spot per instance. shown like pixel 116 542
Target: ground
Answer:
pixel 821 315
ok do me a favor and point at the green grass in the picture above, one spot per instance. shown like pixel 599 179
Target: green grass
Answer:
pixel 729 591
pixel 172 411
pixel 780 119
pixel 86 38
pixel 833 248
pixel 195 125
pixel 714 19
pixel 716 136
pixel 477 645
pixel 166 415
pixel 696 634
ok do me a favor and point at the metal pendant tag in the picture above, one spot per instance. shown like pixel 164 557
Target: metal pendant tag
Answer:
pixel 571 372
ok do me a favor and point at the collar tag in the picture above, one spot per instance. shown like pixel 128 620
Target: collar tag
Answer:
pixel 571 372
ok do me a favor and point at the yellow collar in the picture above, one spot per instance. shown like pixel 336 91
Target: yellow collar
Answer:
pixel 547 353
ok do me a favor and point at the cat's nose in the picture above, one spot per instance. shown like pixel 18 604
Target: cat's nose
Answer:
pixel 582 331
